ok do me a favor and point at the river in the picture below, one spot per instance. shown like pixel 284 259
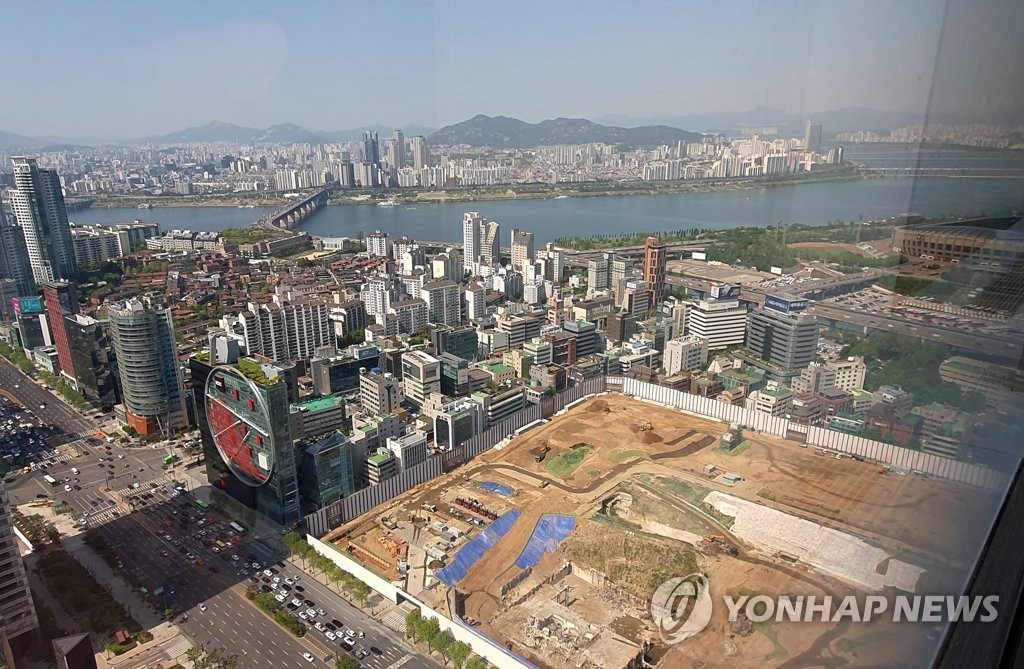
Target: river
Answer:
pixel 974 193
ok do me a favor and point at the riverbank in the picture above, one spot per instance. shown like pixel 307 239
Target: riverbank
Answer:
pixel 412 197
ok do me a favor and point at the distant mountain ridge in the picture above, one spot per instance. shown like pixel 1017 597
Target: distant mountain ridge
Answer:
pixel 503 132
pixel 793 124
pixel 10 141
pixel 282 133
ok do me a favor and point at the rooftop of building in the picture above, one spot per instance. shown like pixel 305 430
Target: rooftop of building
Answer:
pixel 380 459
pixel 319 403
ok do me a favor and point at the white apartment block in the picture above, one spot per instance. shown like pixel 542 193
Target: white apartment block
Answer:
pixel 687 354
pixel 850 372
pixel 722 322
pixel 444 302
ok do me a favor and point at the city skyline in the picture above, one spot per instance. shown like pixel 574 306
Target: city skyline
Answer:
pixel 202 70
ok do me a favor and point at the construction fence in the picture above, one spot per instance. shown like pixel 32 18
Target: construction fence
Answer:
pixel 904 459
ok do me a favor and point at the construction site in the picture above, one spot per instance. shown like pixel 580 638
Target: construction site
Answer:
pixel 553 542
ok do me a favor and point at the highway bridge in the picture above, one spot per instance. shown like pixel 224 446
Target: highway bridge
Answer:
pixel 288 216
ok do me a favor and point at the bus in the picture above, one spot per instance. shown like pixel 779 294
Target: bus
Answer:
pixel 203 506
pixel 168 459
pixel 49 479
pixel 236 527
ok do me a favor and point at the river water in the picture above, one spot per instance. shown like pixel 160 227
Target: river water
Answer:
pixel 975 192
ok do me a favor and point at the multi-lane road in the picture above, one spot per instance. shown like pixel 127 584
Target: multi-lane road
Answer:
pixel 133 506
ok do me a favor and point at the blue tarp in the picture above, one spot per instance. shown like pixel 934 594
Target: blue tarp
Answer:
pixel 502 490
pixel 551 530
pixel 475 549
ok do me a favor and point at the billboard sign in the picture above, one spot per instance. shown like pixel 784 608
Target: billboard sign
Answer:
pixel 725 291
pixel 699 255
pixel 30 305
pixel 784 303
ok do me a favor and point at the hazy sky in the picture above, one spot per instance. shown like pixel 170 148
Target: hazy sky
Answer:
pixel 115 70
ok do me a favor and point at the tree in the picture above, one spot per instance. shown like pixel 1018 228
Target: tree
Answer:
pixel 413 619
pixel 346 662
pixel 431 632
pixel 476 663
pixel 459 652
pixel 360 591
pixel 201 657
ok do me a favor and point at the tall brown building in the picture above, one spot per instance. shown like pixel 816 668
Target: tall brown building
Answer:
pixel 655 256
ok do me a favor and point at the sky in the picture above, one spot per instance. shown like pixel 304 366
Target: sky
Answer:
pixel 118 70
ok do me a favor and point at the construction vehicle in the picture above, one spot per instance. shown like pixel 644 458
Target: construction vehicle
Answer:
pixel 539 454
pixel 722 544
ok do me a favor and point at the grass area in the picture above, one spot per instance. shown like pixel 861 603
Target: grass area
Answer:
pixel 622 456
pixel 653 508
pixel 684 490
pixel 81 595
pixel 722 450
pixel 639 562
pixel 250 235
pixel 566 463
pixel 593 473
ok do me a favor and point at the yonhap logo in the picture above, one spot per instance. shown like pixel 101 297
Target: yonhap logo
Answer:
pixel 681 607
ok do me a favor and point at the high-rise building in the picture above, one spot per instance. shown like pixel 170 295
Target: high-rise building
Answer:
pixel 722 322
pixel 522 248
pixel 472 223
pixel 377 244
pixel 409 449
pixel 812 136
pixel 411 315
pixel 490 243
pixel 147 365
pixel 282 332
pixel 14 262
pixel 379 394
pixel 622 269
pixel 786 339
pixel 17 612
pixel 476 302
pixel 95 244
pixel 371 149
pixel 243 415
pixel 399 149
pixel 38 204
pixel 459 341
pixel 655 259
pixel 421 375
pixel 444 303
pixel 420 154
pixel 685 354
pixel 851 372
pixel 599 274
pixel 59 297
pixel 95 371
pixel 326 474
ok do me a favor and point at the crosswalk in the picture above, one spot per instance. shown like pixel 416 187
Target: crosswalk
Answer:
pixel 104 515
pixel 144 486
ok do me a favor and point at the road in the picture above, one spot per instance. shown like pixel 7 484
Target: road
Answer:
pixel 56 412
pixel 136 528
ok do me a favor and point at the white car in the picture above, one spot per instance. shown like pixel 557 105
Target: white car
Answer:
pixel 268 573
pixel 302 614
pixel 308 658
pixel 276 579
pixel 67 488
pixel 321 613
pixel 311 613
pixel 290 580
pixel 202 607
pixel 280 598
pixel 297 602
pixel 320 626
pixel 331 635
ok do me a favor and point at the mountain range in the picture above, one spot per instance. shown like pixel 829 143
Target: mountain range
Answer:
pixel 502 132
pixel 505 132
pixel 791 125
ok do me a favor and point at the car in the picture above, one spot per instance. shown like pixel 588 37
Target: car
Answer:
pixel 337 623
pixel 311 613
pixel 321 613
pixel 309 603
pixel 67 488
pixel 330 635
pixel 276 579
pixel 376 651
pixel 303 615
pixel 202 606
pixel 319 626
pixel 280 597
pixel 346 644
pixel 308 657
pixel 299 588
pixel 297 602
pixel 350 634
pixel 291 607
pixel 329 626
pixel 42 406
pixel 265 588
pixel 290 580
